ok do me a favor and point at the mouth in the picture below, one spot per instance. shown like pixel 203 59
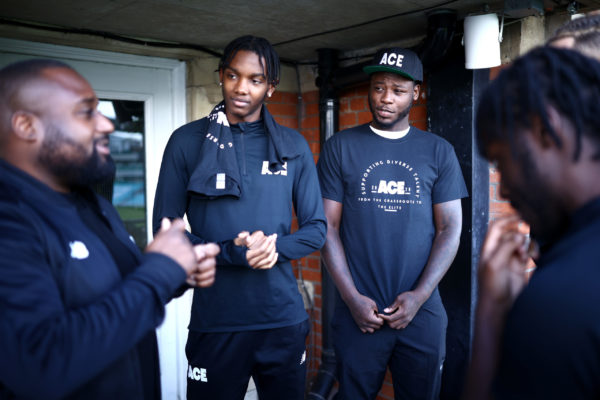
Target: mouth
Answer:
pixel 240 103
pixel 102 146
pixel 384 112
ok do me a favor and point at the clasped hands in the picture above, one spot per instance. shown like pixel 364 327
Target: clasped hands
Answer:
pixel 198 261
pixel 262 249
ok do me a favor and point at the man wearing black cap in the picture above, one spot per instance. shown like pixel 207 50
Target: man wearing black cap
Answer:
pixel 391 194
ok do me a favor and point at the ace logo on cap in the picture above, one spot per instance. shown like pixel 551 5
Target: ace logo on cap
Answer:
pixel 398 61
pixel 392 59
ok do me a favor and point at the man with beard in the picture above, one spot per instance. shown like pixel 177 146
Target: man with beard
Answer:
pixel 539 122
pixel 78 302
pixel 391 194
pixel 238 176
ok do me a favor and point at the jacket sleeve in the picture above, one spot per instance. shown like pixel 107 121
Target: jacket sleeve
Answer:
pixel 48 350
pixel 171 199
pixel 308 205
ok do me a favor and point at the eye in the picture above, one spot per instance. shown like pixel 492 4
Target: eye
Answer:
pixel 231 76
pixel 256 81
pixel 88 113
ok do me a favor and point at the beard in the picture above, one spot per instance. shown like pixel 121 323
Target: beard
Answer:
pixel 69 162
pixel 536 204
pixel 387 125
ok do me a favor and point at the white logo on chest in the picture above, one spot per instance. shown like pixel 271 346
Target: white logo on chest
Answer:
pixel 78 250
pixel 197 374
pixel 266 171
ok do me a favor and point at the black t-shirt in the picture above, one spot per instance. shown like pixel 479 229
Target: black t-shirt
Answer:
pixel 388 188
pixel 551 342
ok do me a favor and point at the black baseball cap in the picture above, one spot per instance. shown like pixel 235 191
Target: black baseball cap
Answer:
pixel 398 61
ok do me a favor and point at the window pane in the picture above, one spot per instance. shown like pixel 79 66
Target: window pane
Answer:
pixel 128 190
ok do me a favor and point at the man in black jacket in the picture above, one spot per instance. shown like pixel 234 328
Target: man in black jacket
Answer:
pixel 539 122
pixel 78 301
pixel 238 175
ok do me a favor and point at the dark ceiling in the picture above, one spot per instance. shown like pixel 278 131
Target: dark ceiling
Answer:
pixel 296 28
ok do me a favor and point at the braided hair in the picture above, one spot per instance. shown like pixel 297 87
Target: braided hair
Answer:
pixel 261 47
pixel 547 76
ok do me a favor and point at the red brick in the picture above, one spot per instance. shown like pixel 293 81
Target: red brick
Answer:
pixel 311 109
pixel 311 135
pixel 387 391
pixel 311 275
pixel 317 287
pixel 364 117
pixel 311 97
pixel 418 113
pixel 311 122
pixel 283 109
pixel 314 263
pixel 358 104
pixel 344 105
pixel 420 125
pixel 348 120
pixel 315 147
pixel 502 208
pixel 286 121
pixel 494 175
pixel 277 97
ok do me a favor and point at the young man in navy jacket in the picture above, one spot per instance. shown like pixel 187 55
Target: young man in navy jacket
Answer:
pixel 238 176
pixel 78 301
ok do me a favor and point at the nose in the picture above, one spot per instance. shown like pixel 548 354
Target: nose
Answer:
pixel 241 86
pixel 386 96
pixel 103 124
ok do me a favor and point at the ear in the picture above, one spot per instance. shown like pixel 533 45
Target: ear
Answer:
pixel 220 77
pixel 26 125
pixel 270 90
pixel 416 91
pixel 561 127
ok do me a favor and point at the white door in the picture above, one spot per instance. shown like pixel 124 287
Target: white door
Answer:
pixel 155 88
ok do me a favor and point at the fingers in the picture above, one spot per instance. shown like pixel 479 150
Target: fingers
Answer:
pixel 496 230
pixel 268 262
pixel 206 250
pixel 241 239
pixel 263 254
pixel 372 324
pixel 510 247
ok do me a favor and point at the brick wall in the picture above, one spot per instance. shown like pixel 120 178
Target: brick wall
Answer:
pixel 286 108
pixel 354 110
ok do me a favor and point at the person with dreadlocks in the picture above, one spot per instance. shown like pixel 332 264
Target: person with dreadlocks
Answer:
pixel 581 34
pixel 539 122
pixel 236 175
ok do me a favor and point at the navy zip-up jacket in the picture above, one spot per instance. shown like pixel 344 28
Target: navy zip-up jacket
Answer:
pixel 243 298
pixel 69 323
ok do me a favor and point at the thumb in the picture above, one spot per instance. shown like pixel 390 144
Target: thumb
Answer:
pixel 392 307
pixel 165 224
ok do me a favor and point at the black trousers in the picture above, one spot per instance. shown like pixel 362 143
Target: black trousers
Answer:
pixel 221 364
pixel 414 355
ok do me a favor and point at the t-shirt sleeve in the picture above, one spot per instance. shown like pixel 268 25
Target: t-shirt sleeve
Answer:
pixel 450 184
pixel 329 168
